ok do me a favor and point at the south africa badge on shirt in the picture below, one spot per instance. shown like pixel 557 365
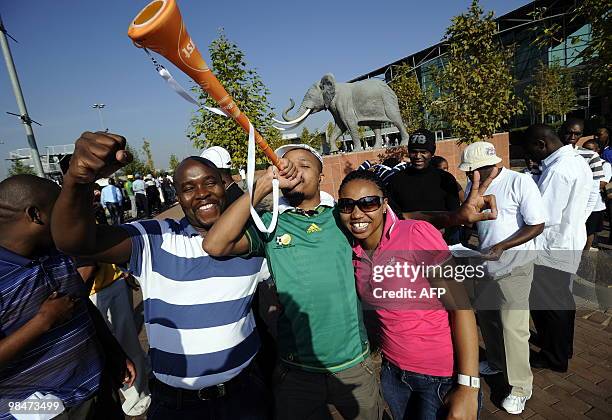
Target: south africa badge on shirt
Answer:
pixel 283 240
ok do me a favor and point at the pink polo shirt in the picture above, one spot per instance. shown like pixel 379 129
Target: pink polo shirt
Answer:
pixel 414 328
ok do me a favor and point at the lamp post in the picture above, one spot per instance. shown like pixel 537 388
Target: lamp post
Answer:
pixel 99 108
pixel 23 112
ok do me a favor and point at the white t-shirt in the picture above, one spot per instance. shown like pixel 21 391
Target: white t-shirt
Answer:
pixel 519 203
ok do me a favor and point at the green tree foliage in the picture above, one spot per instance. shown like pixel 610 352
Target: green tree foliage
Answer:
pixel 314 139
pixel 597 56
pixel 136 166
pixel 552 91
pixel 250 94
pixel 476 85
pixel 410 97
pixel 173 163
pixel 18 168
pixel 598 53
pixel 149 163
pixel 329 129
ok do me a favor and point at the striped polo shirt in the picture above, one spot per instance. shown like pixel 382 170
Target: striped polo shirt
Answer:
pixel 197 308
pixel 65 361
pixel 594 161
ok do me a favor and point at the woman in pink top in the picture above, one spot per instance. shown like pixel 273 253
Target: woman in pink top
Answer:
pixel 427 350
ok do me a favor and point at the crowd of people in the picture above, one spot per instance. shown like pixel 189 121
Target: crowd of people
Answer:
pixel 244 324
pixel 133 195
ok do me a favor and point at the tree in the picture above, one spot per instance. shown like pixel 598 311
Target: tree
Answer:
pixel 18 168
pixel 552 91
pixel 173 163
pixel 314 140
pixel 250 94
pixel 136 166
pixel 149 164
pixel 597 55
pixel 476 85
pixel 410 97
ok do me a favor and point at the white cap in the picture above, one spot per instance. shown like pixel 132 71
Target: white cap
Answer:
pixel 283 150
pixel 477 155
pixel 219 156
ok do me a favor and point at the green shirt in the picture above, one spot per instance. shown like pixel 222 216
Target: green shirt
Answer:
pixel 310 258
pixel 128 188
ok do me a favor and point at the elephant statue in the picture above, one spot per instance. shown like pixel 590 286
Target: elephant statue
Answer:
pixel 369 102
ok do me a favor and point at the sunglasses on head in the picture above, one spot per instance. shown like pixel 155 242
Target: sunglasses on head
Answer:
pixel 366 204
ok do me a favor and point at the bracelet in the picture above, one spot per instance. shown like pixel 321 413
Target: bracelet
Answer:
pixel 470 381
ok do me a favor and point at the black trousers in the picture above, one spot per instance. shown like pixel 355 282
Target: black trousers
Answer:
pixel 142 204
pixel 553 312
pixel 116 213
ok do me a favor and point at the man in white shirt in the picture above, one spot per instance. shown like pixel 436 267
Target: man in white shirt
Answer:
pixel 507 242
pixel 112 199
pixel 564 185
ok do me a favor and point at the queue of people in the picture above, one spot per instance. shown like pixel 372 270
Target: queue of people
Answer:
pixel 68 332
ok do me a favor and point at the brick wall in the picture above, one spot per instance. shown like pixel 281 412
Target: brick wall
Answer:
pixel 335 167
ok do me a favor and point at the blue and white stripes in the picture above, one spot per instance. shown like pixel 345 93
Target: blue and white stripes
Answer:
pixel 197 308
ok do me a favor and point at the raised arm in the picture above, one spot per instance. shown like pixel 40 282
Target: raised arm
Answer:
pixel 227 236
pixel 73 224
pixel 476 208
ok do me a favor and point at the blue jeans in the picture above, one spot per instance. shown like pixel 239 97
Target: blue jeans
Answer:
pixel 413 395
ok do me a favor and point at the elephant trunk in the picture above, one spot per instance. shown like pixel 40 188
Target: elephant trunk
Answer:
pixel 301 115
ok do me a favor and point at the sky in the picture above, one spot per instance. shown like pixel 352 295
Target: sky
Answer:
pixel 75 53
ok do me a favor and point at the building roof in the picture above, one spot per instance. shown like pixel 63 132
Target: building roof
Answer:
pixel 523 16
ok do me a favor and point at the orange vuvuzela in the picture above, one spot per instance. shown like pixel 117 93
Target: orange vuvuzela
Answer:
pixel 159 27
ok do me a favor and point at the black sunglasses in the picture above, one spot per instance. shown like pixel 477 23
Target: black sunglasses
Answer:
pixel 366 204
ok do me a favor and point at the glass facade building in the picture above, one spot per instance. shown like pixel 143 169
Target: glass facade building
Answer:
pixel 519 30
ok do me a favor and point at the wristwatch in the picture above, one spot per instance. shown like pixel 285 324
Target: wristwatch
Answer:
pixel 471 381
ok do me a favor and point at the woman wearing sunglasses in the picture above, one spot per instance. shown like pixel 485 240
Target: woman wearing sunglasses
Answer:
pixel 430 355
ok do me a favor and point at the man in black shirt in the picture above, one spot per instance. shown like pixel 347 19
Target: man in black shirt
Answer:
pixel 223 161
pixel 421 187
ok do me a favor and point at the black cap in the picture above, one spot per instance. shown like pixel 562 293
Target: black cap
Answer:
pixel 422 139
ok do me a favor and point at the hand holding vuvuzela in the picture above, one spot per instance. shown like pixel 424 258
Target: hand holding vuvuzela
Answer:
pixel 159 27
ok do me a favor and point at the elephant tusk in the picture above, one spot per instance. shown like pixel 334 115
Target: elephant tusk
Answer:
pixel 294 122
pixel 279 128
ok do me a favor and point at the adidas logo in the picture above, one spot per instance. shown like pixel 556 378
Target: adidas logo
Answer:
pixel 313 228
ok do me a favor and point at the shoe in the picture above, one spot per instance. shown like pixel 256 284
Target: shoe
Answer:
pixel 515 405
pixel 537 361
pixel 486 369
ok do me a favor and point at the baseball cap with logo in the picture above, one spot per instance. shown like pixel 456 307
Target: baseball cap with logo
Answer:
pixel 477 155
pixel 219 156
pixel 283 150
pixel 422 139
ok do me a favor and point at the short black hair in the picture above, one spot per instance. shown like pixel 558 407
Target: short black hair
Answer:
pixel 391 162
pixel 22 191
pixel 540 131
pixel 364 175
pixel 592 141
pixel 568 123
pixel 200 160
pixel 436 161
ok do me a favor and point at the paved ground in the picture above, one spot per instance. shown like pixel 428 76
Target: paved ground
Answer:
pixel 584 392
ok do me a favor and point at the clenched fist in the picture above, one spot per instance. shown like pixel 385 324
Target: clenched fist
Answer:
pixel 97 155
